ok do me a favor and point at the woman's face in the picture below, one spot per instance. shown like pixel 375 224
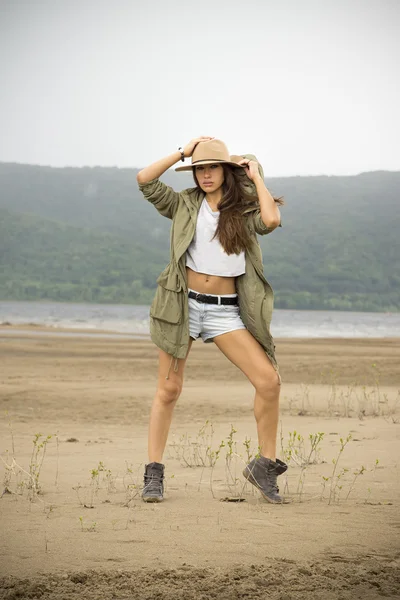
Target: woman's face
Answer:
pixel 210 177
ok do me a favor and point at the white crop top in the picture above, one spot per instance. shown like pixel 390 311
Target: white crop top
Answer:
pixel 206 255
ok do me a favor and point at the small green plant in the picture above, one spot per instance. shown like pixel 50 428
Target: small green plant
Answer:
pixel 392 412
pixel 16 478
pixel 339 480
pixel 58 459
pixel 230 463
pixel 304 452
pixel 131 484
pixel 77 489
pixel 197 451
pixel 367 499
pixel 235 462
pixel 324 482
pixel 301 452
pixel 110 481
pixel 305 400
pixel 346 398
pixel 248 449
pixel 300 483
pixel 356 474
pixel 300 402
pixel 94 486
pixel 89 528
pixel 217 455
pixel 101 476
pixel 377 390
pixel 335 478
pixel 37 457
pixel 332 393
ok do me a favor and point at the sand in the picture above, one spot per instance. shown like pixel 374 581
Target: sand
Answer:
pixel 87 533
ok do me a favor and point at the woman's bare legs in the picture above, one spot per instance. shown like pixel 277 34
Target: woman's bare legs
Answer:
pixel 247 354
pixel 168 392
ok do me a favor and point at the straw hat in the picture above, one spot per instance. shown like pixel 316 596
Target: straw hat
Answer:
pixel 211 152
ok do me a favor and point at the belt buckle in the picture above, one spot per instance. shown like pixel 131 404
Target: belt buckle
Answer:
pixel 199 297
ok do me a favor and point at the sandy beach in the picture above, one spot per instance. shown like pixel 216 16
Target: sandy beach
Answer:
pixel 73 525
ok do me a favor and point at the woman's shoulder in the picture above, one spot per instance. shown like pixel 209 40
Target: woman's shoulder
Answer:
pixel 193 191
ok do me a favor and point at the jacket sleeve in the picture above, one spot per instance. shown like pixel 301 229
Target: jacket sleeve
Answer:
pixel 258 224
pixel 163 197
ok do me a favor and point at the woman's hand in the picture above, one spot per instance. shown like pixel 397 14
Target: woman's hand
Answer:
pixel 188 149
pixel 251 168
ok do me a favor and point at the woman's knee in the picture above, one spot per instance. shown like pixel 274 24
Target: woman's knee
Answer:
pixel 268 384
pixel 169 391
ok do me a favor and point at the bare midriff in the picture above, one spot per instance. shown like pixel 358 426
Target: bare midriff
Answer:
pixel 210 284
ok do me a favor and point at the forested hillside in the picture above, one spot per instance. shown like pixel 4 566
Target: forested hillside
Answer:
pixel 87 234
pixel 41 258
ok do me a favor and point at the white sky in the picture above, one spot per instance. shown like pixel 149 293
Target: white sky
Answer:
pixel 309 86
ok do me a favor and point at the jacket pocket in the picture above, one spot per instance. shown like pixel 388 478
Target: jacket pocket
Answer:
pixel 166 306
pixel 169 279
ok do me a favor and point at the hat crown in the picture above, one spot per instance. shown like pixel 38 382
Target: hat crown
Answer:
pixel 208 153
pixel 210 150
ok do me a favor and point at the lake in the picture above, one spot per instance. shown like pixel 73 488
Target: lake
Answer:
pixel 127 319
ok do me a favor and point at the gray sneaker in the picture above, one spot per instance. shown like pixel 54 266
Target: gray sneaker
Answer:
pixel 153 488
pixel 263 472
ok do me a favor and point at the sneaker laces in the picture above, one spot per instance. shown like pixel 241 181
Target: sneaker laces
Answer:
pixel 153 482
pixel 273 475
pixel 272 479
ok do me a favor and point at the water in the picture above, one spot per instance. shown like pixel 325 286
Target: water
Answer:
pixel 127 319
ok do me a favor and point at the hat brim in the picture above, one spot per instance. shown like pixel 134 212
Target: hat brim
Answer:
pixel 200 163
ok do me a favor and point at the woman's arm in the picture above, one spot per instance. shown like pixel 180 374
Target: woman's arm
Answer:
pixel 155 170
pixel 161 196
pixel 270 213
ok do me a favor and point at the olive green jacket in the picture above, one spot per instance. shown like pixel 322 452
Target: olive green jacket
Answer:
pixel 169 313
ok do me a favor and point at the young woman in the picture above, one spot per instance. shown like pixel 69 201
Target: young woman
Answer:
pixel 214 288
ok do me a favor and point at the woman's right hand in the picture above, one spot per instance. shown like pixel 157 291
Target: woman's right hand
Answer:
pixel 188 149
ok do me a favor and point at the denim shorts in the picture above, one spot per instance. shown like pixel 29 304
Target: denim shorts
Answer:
pixel 209 320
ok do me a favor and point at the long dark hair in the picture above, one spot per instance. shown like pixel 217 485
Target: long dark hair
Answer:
pixel 238 194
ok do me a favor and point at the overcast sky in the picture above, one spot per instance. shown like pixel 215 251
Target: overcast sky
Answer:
pixel 309 86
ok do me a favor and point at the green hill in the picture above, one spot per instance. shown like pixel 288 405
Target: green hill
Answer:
pixel 41 258
pixel 87 234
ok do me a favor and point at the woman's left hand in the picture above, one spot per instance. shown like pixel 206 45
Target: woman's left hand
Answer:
pixel 251 168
